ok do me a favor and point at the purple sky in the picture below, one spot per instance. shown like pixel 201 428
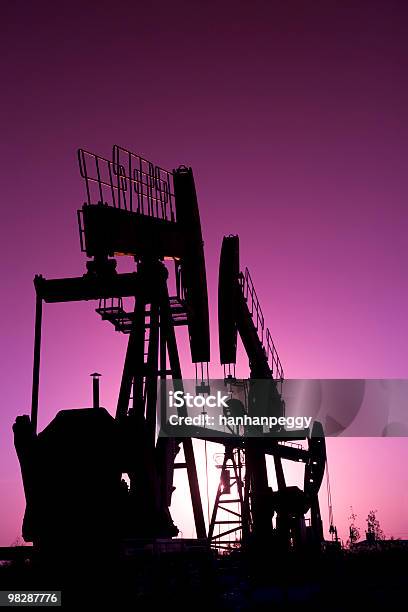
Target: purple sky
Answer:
pixel 293 117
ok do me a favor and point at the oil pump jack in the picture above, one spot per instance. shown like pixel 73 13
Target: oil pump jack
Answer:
pixel 138 209
pixel 240 313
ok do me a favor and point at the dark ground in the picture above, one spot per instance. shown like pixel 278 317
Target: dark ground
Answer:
pixel 336 580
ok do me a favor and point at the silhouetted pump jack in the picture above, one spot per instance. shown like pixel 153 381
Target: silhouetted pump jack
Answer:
pixel 76 496
pixel 72 470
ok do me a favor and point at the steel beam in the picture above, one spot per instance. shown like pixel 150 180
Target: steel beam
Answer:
pixel 84 288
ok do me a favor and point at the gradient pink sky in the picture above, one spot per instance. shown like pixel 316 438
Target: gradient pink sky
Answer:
pixel 293 117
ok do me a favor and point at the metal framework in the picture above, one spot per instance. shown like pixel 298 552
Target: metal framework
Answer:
pixel 232 491
pixel 136 208
pixel 142 210
pixel 239 312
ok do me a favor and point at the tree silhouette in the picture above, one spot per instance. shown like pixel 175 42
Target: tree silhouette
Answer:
pixel 354 531
pixel 374 532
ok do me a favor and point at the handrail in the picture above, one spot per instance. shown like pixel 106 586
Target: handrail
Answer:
pixel 253 303
pixel 273 357
pixel 128 181
pixel 248 291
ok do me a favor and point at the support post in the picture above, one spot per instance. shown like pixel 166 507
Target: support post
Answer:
pixel 95 390
pixel 36 363
pixel 127 376
pixel 174 362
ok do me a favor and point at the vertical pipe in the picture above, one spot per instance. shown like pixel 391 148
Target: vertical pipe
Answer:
pixel 95 389
pixel 36 362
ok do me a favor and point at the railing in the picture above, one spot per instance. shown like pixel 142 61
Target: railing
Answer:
pixel 249 293
pixel 113 304
pixel 254 307
pixel 128 181
pixel 273 357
